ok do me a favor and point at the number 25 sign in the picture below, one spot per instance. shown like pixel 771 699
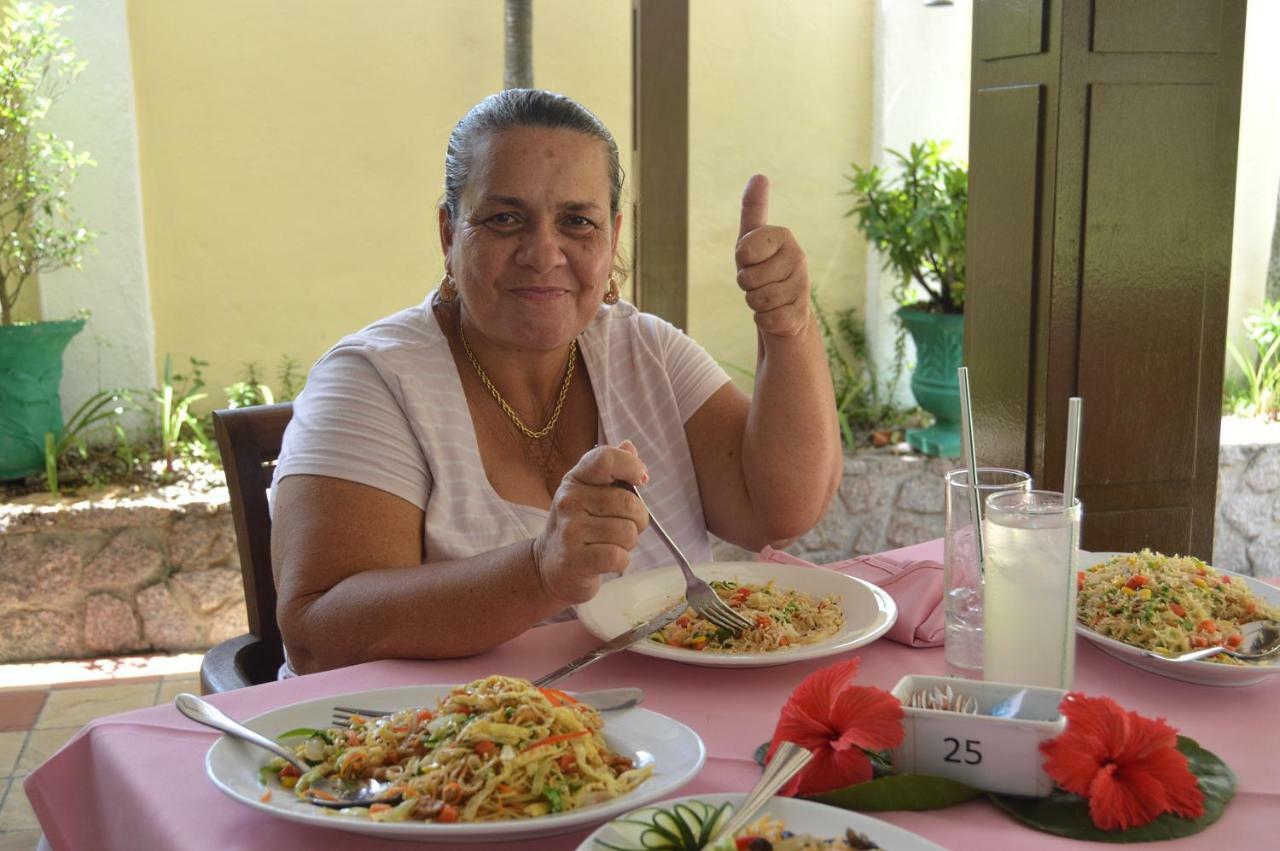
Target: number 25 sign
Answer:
pixel 970 750
pixel 996 754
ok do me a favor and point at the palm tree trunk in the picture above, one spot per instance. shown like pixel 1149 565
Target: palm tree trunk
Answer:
pixel 518 73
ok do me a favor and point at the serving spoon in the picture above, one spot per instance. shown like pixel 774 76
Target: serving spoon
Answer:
pixel 787 760
pixel 1261 639
pixel 323 792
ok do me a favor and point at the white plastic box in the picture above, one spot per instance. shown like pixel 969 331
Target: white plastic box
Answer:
pixel 995 754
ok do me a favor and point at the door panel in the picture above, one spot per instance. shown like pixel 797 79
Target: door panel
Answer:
pixel 1128 247
pixel 1146 225
pixel 1003 198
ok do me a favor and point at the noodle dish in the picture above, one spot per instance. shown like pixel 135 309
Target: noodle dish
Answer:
pixel 492 750
pixel 1168 604
pixel 780 617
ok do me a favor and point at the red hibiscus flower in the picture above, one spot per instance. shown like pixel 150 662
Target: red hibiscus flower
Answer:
pixel 836 721
pixel 1127 766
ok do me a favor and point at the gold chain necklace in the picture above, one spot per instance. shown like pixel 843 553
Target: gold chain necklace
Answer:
pixel 507 409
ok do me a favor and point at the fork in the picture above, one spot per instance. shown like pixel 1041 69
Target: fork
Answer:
pixel 702 598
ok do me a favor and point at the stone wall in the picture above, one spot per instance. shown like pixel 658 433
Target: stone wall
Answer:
pixel 122 572
pixel 1247 529
pixel 888 500
pixel 118 573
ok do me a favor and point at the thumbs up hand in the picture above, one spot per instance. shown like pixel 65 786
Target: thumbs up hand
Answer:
pixel 772 269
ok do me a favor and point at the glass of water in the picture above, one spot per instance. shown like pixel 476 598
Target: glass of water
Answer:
pixel 962 582
pixel 1032 547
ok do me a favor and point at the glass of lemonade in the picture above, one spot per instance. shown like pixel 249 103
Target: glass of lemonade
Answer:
pixel 961 580
pixel 1032 551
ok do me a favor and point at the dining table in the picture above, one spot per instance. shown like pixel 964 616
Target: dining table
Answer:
pixel 137 780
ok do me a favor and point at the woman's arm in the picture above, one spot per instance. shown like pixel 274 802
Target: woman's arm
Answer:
pixel 352 586
pixel 769 465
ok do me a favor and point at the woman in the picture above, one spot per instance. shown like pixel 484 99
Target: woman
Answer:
pixel 480 432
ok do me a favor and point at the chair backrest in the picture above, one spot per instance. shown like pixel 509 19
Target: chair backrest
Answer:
pixel 250 439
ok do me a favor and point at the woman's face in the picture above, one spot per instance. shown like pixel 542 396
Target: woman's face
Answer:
pixel 534 240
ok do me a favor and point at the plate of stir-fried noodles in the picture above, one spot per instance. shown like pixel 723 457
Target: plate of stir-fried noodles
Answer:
pixel 784 824
pixel 492 760
pixel 796 613
pixel 1128 603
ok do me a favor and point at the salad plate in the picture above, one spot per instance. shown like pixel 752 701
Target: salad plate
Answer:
pixel 675 751
pixel 798 815
pixel 622 603
pixel 1201 673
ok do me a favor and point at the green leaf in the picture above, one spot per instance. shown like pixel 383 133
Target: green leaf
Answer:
pixel 300 732
pixel 1067 815
pixel 900 792
pixel 892 792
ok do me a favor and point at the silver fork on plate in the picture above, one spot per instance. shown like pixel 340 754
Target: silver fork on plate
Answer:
pixel 702 598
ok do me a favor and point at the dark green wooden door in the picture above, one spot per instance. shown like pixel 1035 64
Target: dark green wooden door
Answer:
pixel 1103 155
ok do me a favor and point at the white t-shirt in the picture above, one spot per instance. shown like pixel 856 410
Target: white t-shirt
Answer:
pixel 385 408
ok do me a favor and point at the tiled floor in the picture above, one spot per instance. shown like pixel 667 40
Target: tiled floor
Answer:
pixel 43 705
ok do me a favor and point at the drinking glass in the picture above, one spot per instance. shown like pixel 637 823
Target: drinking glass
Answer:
pixel 962 581
pixel 1032 548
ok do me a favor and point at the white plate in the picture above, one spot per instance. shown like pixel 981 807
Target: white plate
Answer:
pixel 1201 673
pixel 675 751
pixel 801 816
pixel 621 604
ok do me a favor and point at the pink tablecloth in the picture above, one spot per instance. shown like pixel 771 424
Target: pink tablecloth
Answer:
pixel 136 780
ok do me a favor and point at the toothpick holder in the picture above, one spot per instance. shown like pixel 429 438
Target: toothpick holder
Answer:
pixel 982 751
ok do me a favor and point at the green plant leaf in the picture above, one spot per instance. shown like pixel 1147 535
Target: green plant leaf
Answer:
pixel 891 792
pixel 1067 815
pixel 900 792
pixel 917 218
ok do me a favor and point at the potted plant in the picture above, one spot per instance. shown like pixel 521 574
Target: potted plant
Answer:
pixel 917 218
pixel 38 229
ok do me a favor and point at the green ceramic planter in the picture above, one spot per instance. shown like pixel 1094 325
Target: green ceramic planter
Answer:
pixel 939 339
pixel 30 372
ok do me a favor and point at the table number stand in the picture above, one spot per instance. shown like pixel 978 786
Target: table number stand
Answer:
pixel 982 751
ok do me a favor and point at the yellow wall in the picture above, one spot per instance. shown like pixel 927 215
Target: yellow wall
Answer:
pixel 292 155
pixel 783 89
pixel 292 152
pixel 27 308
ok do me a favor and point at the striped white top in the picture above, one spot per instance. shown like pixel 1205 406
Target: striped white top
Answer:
pixel 385 408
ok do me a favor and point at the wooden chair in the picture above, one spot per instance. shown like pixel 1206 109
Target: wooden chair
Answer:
pixel 249 439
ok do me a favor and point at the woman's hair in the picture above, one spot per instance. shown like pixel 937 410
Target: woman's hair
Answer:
pixel 521 108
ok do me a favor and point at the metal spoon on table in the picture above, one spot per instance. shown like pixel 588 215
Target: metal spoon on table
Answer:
pixel 331 792
pixel 1261 639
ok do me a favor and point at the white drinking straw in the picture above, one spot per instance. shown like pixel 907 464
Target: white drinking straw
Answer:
pixel 1074 409
pixel 971 461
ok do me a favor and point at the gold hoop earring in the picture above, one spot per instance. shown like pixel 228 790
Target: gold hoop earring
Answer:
pixel 448 289
pixel 614 293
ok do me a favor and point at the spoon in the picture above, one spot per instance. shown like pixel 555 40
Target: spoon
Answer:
pixel 323 792
pixel 1261 639
pixel 788 759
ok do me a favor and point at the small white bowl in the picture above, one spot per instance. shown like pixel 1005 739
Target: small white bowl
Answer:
pixel 982 751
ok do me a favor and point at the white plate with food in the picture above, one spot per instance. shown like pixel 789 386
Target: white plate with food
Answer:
pixel 662 755
pixel 1173 617
pixel 701 814
pixel 800 613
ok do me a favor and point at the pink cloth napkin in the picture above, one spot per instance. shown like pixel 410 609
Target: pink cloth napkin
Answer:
pixel 915 586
